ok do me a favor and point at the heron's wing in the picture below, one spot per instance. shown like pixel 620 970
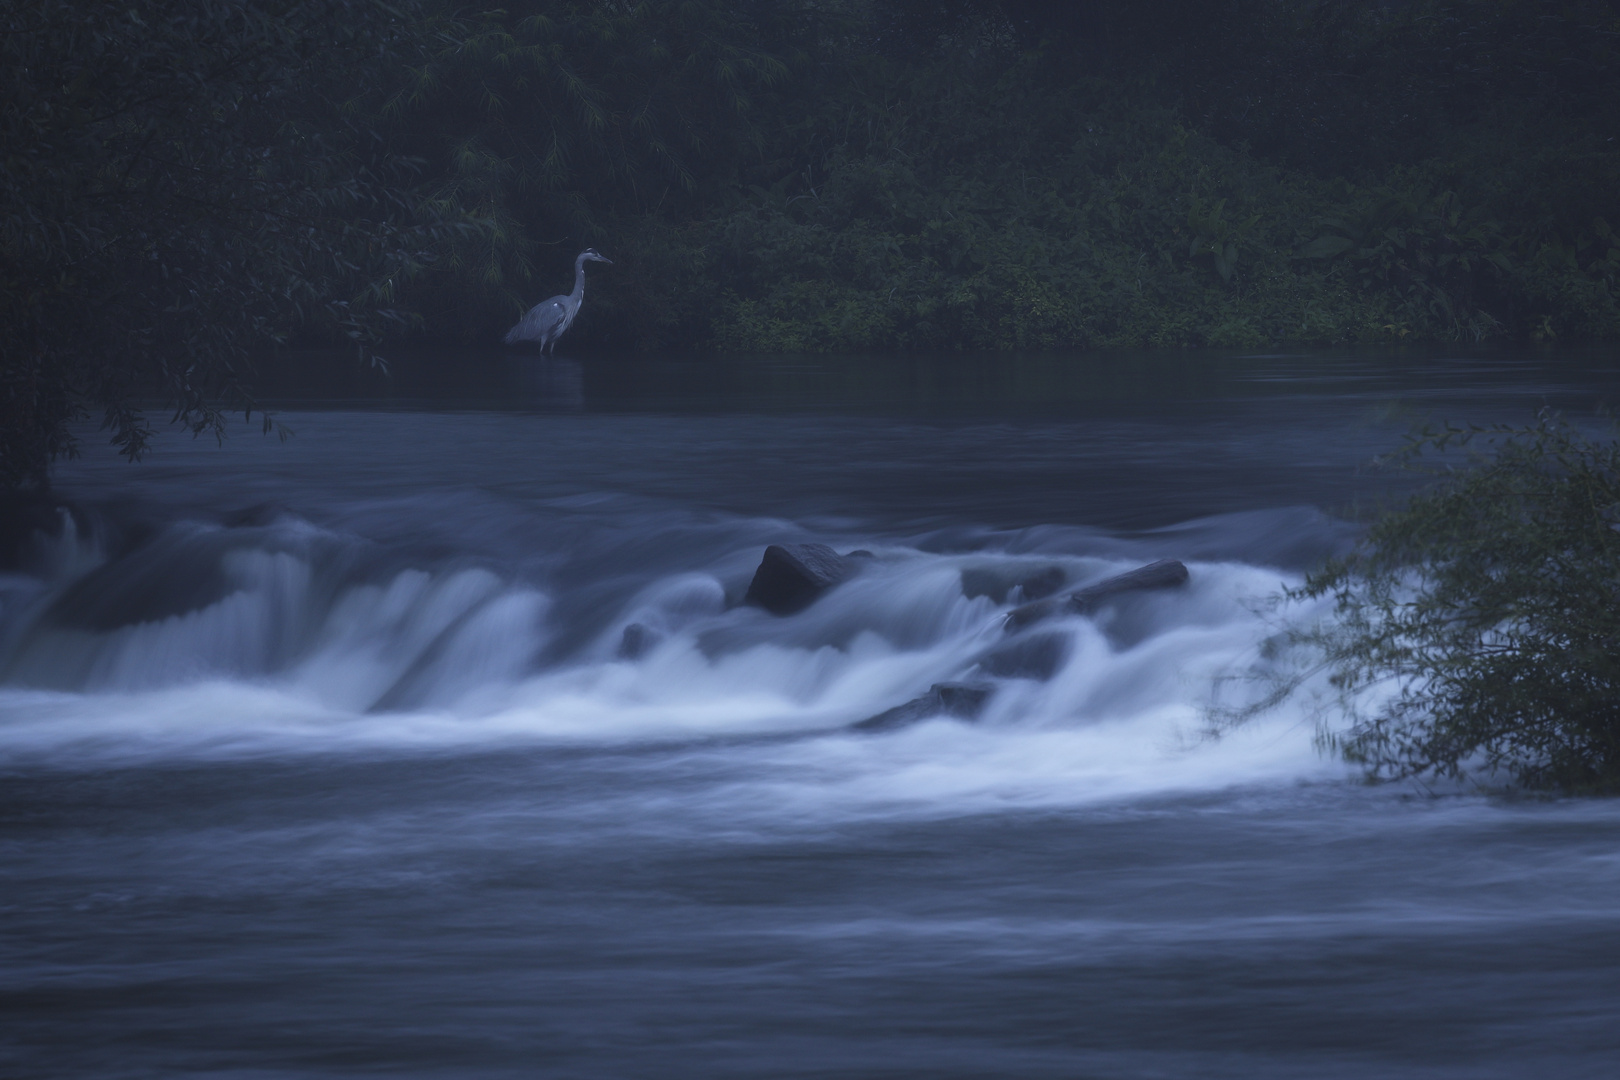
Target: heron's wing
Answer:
pixel 543 321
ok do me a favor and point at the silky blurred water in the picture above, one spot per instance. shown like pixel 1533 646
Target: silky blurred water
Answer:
pixel 323 757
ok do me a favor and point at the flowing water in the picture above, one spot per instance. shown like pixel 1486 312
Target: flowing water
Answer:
pixel 326 757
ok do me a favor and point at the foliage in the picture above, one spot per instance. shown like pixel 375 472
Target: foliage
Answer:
pixel 183 181
pixel 1437 261
pixel 1033 217
pixel 1485 615
pixel 962 187
pixel 552 117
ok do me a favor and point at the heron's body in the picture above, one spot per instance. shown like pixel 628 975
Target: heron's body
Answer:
pixel 550 319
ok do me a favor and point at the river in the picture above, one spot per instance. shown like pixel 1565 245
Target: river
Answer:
pixel 325 757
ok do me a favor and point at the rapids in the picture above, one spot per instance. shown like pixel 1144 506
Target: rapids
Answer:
pixel 322 757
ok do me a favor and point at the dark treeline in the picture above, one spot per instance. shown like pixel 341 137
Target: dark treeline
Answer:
pixel 185 183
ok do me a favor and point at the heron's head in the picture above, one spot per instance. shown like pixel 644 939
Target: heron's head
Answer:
pixel 592 255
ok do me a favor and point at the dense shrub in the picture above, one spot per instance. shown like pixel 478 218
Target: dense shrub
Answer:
pixel 1032 218
pixel 1477 629
pixel 961 183
pixel 184 181
pixel 552 119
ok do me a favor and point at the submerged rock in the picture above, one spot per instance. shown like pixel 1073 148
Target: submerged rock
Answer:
pixel 791 576
pixel 26 520
pixel 637 640
pixel 963 701
pixel 1036 656
pixel 257 516
pixel 1000 582
pixel 1164 574
pixel 181 570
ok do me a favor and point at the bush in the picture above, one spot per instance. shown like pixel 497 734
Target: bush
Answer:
pixel 1032 217
pixel 985 188
pixel 553 119
pixel 1483 617
pixel 186 180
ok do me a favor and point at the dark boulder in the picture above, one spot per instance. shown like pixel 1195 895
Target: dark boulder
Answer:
pixel 963 701
pixel 1030 614
pixel 1043 583
pixel 1164 574
pixel 636 641
pixel 999 582
pixel 28 518
pixel 791 576
pixel 257 516
pixel 176 572
pixel 1035 656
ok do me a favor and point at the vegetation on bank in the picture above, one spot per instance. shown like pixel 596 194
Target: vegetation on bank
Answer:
pixel 1475 632
pixel 186 182
pixel 1425 172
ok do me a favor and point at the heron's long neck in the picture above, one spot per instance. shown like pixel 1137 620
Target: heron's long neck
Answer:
pixel 579 279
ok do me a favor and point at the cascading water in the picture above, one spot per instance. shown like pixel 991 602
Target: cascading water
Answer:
pixel 444 744
pixel 332 640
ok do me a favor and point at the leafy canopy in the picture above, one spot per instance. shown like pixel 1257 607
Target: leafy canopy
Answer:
pixel 183 180
pixel 1485 615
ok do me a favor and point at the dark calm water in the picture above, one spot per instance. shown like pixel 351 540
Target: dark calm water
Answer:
pixel 319 758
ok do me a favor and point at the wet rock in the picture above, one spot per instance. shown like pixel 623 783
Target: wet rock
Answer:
pixel 637 641
pixel 1037 656
pixel 1030 614
pixel 791 576
pixel 1043 583
pixel 179 571
pixel 963 701
pixel 26 518
pixel 257 516
pixel 999 582
pixel 1164 574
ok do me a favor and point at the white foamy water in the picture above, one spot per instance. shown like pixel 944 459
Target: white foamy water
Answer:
pixel 300 646
pixel 342 756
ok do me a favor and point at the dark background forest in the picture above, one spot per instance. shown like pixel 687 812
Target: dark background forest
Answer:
pixel 188 184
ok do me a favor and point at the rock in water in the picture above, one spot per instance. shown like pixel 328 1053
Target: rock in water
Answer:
pixel 998 582
pixel 636 641
pixel 1043 583
pixel 1164 574
pixel 791 576
pixel 28 519
pixel 960 700
pixel 1033 656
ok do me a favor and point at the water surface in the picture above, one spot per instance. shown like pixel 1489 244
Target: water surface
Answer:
pixel 322 757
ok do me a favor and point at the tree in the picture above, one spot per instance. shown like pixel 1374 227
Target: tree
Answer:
pixel 1482 619
pixel 557 119
pixel 184 181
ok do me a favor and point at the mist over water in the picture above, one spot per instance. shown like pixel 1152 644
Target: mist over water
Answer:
pixel 328 756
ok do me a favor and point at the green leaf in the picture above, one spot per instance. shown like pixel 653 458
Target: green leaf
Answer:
pixel 1326 246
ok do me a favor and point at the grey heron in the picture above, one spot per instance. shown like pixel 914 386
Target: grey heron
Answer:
pixel 550 319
